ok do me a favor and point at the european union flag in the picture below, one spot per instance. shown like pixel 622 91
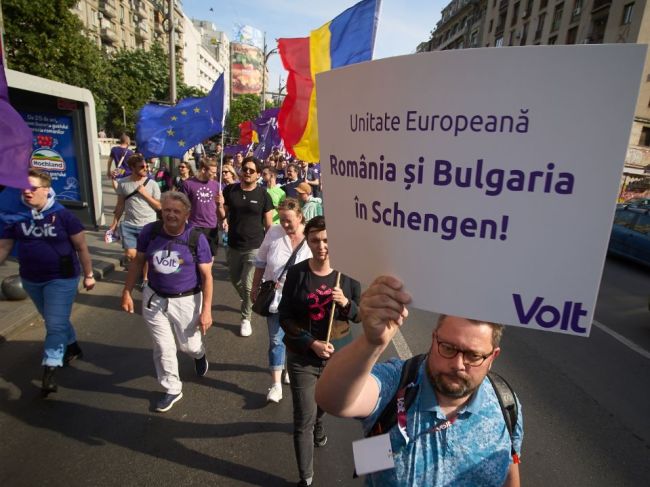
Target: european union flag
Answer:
pixel 171 131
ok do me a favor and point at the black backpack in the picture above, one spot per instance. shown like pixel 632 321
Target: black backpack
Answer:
pixel 505 394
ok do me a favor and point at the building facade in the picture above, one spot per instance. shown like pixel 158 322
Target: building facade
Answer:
pixel 499 23
pixel 206 55
pixel 130 24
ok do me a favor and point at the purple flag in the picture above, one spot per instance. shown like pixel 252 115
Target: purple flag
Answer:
pixel 15 141
pixel 233 149
pixel 267 130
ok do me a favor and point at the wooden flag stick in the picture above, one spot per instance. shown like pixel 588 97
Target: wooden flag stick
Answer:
pixel 329 327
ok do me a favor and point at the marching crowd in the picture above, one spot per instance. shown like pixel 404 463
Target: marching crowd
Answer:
pixel 268 216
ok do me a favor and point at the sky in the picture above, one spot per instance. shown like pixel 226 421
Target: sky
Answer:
pixel 403 24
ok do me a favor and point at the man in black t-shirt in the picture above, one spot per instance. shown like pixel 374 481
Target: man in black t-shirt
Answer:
pixel 249 211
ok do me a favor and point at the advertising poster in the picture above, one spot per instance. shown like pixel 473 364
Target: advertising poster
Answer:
pixel 486 179
pixel 53 151
pixel 247 65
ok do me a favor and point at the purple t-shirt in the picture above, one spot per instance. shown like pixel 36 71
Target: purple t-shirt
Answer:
pixel 121 154
pixel 204 207
pixel 42 243
pixel 171 267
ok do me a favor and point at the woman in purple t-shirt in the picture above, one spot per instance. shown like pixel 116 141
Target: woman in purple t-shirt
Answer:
pixel 52 250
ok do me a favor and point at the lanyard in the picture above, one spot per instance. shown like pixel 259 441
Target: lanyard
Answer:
pixel 402 418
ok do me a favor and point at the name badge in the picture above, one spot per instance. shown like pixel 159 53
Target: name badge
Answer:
pixel 373 454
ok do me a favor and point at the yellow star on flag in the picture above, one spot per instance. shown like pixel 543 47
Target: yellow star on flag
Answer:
pixel 197 110
pixel 174 117
pixel 181 143
pixel 170 132
pixel 183 112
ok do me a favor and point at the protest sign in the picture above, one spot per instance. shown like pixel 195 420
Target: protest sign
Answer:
pixel 486 179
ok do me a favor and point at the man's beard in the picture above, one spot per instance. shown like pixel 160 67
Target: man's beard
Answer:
pixel 461 387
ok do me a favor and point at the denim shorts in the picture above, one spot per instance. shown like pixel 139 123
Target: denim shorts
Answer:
pixel 129 235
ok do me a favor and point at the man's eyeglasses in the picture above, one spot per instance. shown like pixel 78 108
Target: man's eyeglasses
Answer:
pixel 248 170
pixel 473 359
pixel 34 188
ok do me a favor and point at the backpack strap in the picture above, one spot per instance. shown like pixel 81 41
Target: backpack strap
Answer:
pixel 509 408
pixel 388 417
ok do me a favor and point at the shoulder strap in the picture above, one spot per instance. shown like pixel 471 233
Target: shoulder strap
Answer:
pixel 193 242
pixel 506 397
pixel 388 417
pixel 292 259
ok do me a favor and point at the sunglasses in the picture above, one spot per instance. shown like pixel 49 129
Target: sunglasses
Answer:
pixel 248 170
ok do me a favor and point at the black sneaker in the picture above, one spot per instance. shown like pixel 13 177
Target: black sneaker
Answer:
pixel 201 365
pixel 48 384
pixel 320 438
pixel 168 400
pixel 72 352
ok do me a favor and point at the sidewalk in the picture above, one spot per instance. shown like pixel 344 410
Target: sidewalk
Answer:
pixel 15 315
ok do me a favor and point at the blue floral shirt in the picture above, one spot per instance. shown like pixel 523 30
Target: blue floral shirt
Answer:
pixel 474 451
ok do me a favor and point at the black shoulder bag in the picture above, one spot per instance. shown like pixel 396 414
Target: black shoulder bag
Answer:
pixel 266 293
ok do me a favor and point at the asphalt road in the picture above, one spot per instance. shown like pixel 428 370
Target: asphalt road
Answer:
pixel 586 402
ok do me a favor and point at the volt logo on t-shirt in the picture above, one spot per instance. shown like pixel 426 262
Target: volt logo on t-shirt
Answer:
pixel 318 301
pixel 204 195
pixel 47 230
pixel 167 262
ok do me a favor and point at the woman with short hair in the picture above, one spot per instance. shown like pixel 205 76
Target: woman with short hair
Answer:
pixel 51 255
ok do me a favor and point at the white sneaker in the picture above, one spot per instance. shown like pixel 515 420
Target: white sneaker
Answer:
pixel 285 377
pixel 275 393
pixel 245 328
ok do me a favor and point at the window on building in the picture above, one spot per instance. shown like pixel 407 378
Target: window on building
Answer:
pixel 645 137
pixel 515 14
pixel 491 25
pixel 543 4
pixel 511 38
pixel 524 34
pixel 577 9
pixel 557 17
pixel 540 25
pixel 498 42
pixel 474 40
pixel 627 14
pixel 552 41
pixel 572 35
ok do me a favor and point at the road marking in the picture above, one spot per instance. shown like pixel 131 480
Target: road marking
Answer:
pixel 628 343
pixel 403 350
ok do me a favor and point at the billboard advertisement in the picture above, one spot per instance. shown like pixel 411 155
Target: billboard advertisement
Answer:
pixel 247 65
pixel 53 151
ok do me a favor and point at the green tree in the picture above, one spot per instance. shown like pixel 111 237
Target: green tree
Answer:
pixel 242 108
pixel 44 38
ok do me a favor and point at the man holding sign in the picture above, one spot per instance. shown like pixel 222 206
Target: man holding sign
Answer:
pixel 454 431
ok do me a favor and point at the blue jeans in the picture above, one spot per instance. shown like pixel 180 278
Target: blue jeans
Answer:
pixel 277 350
pixel 54 300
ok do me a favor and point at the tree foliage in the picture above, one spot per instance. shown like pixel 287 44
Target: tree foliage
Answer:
pixel 242 108
pixel 45 38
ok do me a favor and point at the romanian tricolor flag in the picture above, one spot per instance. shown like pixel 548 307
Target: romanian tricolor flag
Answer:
pixel 348 39
pixel 247 133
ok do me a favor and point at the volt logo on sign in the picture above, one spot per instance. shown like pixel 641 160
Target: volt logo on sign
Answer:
pixel 546 315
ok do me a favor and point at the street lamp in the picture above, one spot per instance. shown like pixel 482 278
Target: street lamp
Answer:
pixel 266 58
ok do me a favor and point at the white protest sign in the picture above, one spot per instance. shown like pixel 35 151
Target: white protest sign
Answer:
pixel 485 179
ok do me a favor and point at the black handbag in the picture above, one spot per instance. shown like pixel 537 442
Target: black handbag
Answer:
pixel 264 299
pixel 266 294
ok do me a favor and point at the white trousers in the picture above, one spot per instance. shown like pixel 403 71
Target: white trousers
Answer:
pixel 171 321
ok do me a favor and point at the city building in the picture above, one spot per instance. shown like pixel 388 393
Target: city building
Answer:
pixel 206 55
pixel 497 23
pixel 130 24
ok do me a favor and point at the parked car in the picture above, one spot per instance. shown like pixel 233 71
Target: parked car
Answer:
pixel 636 203
pixel 630 236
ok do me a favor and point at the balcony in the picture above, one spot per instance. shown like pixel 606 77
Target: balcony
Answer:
pixel 158 28
pixel 108 35
pixel 107 7
pixel 598 4
pixel 141 10
pixel 142 31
